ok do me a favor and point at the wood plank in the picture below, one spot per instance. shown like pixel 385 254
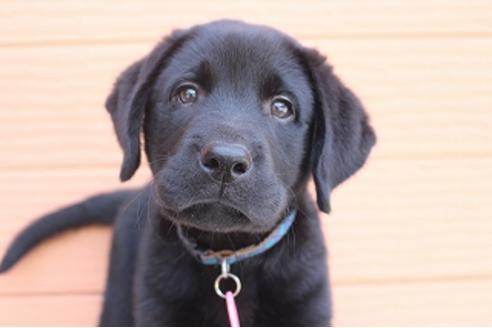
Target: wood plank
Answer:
pixel 31 193
pixel 62 123
pixel 419 304
pixel 50 310
pixel 412 218
pixel 54 22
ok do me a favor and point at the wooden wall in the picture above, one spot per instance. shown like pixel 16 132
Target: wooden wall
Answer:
pixel 410 236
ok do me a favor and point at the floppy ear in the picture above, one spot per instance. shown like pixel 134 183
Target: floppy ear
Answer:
pixel 342 137
pixel 129 98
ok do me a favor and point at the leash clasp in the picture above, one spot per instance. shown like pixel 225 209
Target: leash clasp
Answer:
pixel 226 274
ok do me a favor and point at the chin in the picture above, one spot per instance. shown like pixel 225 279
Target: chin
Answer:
pixel 217 217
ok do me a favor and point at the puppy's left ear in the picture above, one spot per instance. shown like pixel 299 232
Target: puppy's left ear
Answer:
pixel 342 136
pixel 129 98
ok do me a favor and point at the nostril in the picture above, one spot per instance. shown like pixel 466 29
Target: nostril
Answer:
pixel 225 162
pixel 211 164
pixel 239 168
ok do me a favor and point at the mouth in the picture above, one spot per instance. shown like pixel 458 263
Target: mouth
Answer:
pixel 214 217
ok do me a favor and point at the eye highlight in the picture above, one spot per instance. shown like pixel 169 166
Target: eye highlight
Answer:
pixel 282 108
pixel 186 93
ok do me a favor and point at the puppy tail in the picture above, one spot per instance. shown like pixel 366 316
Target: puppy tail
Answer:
pixel 100 209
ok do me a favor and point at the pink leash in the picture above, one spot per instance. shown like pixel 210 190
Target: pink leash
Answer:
pixel 232 310
pixel 229 295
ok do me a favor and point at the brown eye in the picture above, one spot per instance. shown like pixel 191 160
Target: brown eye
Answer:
pixel 282 108
pixel 187 94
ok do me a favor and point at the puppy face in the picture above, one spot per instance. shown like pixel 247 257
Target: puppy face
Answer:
pixel 235 117
pixel 228 129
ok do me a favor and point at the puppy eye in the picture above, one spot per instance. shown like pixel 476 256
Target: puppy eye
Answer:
pixel 186 94
pixel 282 108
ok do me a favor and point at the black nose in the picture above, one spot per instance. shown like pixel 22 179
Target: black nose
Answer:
pixel 225 162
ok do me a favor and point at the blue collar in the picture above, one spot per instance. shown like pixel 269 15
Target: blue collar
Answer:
pixel 229 257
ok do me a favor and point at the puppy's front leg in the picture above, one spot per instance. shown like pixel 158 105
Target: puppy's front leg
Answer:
pixel 309 309
pixel 167 282
pixel 118 296
pixel 117 308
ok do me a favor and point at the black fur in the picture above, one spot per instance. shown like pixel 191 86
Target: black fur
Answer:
pixel 238 69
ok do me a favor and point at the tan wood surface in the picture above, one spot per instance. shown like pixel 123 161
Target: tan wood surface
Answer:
pixel 410 236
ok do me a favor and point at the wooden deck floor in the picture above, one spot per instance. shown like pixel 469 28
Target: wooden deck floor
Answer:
pixel 410 236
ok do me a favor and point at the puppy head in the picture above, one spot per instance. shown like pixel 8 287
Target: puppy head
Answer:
pixel 234 118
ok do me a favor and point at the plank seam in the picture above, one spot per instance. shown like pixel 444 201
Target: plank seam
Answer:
pixel 413 280
pixel 311 37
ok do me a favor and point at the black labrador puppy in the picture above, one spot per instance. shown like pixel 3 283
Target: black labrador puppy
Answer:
pixel 235 119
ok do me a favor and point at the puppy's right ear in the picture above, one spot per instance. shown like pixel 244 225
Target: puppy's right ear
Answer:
pixel 129 98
